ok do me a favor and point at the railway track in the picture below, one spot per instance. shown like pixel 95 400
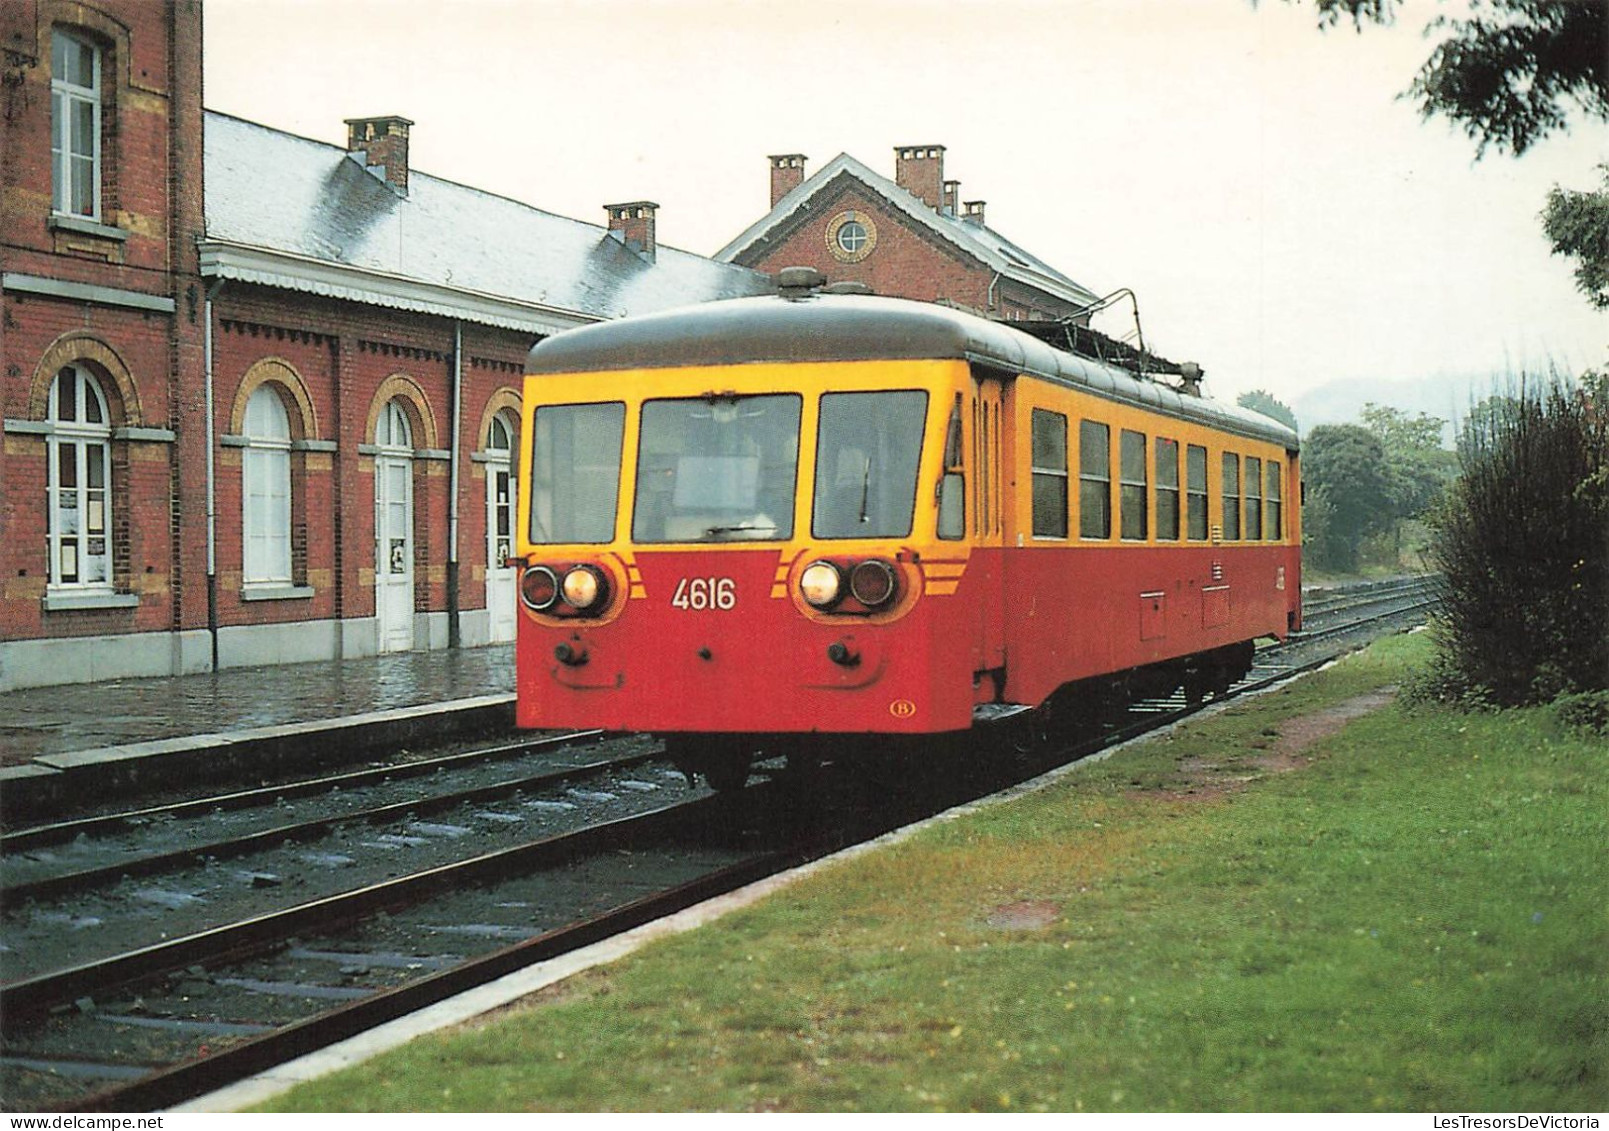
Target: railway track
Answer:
pixel 383 906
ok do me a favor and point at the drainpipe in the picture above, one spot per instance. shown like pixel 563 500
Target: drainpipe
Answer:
pixel 212 478
pixel 454 639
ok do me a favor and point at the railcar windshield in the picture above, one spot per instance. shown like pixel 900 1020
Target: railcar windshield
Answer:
pixel 575 472
pixel 867 452
pixel 717 469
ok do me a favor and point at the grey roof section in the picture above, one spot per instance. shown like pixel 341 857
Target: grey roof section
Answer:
pixel 292 212
pixel 981 241
pixel 863 328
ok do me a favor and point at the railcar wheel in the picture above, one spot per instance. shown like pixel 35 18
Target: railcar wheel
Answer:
pixel 1197 684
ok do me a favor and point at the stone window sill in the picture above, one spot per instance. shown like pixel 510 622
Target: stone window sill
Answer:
pixel 83 227
pixel 276 592
pixel 65 600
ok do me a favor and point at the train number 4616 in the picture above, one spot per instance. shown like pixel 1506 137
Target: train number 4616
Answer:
pixel 701 593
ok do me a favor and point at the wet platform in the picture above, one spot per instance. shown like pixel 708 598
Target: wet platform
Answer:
pixel 50 734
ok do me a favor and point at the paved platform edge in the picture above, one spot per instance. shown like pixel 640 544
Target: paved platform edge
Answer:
pixel 31 791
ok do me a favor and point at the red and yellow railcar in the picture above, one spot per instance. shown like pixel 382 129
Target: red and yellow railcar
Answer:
pixel 824 514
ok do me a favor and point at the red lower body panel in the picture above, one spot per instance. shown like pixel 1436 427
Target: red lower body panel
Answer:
pixel 760 666
pixel 1049 616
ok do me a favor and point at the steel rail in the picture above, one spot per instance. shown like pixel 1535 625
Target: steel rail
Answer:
pixel 195 1077
pixel 28 999
pixel 71 882
pixel 59 831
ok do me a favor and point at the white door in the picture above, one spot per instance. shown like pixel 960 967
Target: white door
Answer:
pixel 500 503
pixel 393 531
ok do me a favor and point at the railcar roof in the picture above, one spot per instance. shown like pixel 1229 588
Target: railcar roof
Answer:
pixel 822 327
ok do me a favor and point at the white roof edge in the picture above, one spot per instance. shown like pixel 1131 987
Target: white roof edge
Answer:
pixel 246 263
pixel 925 216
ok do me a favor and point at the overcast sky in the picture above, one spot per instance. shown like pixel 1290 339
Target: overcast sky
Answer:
pixel 1284 218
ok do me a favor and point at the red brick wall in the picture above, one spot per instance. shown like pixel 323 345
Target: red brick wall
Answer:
pixel 905 261
pixel 343 354
pixel 148 362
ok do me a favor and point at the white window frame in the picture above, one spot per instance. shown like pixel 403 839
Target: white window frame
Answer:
pixel 265 491
pixel 500 446
pixel 65 98
pixel 73 509
pixel 852 241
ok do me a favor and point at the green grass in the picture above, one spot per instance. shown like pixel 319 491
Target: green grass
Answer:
pixel 1413 918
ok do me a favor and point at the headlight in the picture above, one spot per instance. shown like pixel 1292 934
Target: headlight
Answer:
pixel 539 588
pixel 872 583
pixel 821 584
pixel 584 587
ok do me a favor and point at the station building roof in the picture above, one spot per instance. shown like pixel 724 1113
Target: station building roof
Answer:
pixel 976 239
pixel 303 215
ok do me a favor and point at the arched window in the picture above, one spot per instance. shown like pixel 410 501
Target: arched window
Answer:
pixel 266 490
pixel 80 480
pixel 500 489
pixel 75 126
pixel 392 430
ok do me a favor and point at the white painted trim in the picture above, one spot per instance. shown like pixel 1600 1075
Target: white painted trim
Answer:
pixel 224 260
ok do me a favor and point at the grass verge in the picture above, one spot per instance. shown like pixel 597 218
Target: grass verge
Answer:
pixel 1281 908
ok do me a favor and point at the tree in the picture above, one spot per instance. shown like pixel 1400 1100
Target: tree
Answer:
pixel 1417 467
pixel 1260 401
pixel 1509 72
pixel 1578 225
pixel 1345 464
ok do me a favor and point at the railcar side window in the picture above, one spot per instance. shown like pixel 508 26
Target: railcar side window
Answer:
pixel 1094 480
pixel 952 498
pixel 868 449
pixel 1275 529
pixel 1049 474
pixel 717 469
pixel 1231 497
pixel 1254 498
pixel 575 472
pixel 1167 490
pixel 1195 490
pixel 1131 480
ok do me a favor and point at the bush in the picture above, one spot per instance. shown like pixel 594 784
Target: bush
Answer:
pixel 1522 544
pixel 1587 712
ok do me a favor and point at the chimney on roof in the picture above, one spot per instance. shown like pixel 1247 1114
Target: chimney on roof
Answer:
pixel 974 213
pixel 381 146
pixel 952 197
pixel 633 225
pixel 787 174
pixel 919 169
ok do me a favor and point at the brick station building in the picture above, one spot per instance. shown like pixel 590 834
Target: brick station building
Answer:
pixel 261 393
pixel 911 237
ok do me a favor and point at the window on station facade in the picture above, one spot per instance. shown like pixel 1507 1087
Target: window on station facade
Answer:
pixel 265 467
pixel 75 126
pixel 500 489
pixel 79 482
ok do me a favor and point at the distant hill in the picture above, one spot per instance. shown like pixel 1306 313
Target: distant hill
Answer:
pixel 1339 402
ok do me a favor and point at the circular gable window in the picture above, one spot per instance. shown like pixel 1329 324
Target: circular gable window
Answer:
pixel 851 236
